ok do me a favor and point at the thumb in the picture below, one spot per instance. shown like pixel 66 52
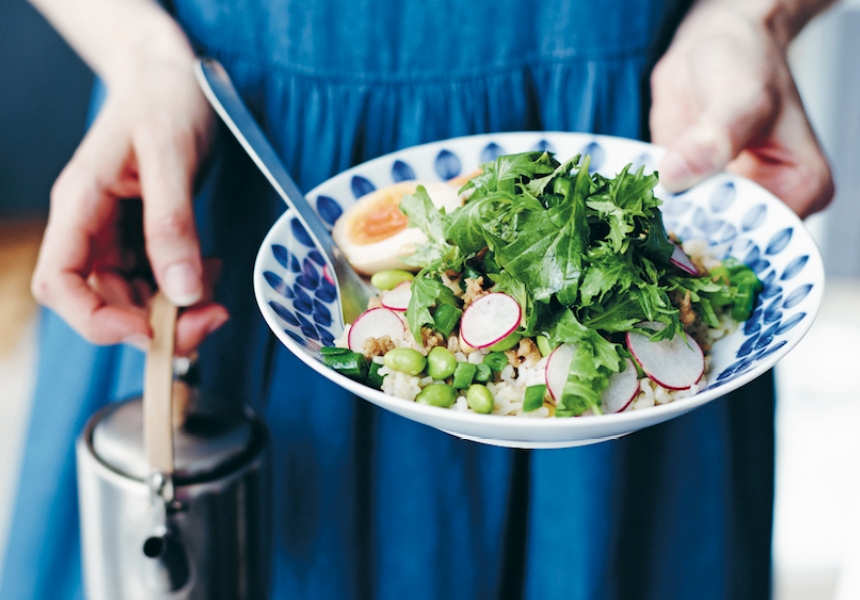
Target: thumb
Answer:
pixel 166 174
pixel 728 124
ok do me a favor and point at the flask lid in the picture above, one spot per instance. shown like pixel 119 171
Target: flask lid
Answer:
pixel 202 444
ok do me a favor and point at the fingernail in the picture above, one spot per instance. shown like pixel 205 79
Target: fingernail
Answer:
pixel 713 145
pixel 182 284
pixel 137 340
pixel 675 172
pixel 701 152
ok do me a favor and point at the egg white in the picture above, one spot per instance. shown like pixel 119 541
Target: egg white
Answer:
pixel 384 254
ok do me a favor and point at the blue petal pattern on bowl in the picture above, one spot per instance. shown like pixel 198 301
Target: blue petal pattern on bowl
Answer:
pixel 754 218
pixel 301 233
pixel 309 292
pixel 447 165
pixel 361 186
pixel 723 197
pixel 779 241
pixel 329 210
pixel 281 255
pixel 278 284
pixel 643 160
pixel 490 152
pixel 401 171
pixel 597 154
pixel 283 312
pixel 544 146
pixel 300 296
pixel 795 267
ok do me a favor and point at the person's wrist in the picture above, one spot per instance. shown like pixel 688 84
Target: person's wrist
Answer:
pixel 782 20
pixel 154 38
pixel 116 36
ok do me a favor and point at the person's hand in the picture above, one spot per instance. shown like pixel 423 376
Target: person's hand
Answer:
pixel 724 97
pixel 147 142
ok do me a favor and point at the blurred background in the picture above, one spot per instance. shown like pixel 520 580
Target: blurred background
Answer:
pixel 44 91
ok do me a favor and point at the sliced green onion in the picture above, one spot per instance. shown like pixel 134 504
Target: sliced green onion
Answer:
pixel 445 318
pixel 374 379
pixel 534 397
pixel 483 373
pixel 464 374
pixel 543 345
pixel 349 363
pixel 496 361
pixel 331 350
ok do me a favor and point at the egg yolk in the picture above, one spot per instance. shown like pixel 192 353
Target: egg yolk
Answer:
pixel 378 219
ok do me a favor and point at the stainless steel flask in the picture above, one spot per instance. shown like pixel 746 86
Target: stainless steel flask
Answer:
pixel 197 528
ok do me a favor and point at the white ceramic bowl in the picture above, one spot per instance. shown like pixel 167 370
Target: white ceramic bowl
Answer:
pixel 296 295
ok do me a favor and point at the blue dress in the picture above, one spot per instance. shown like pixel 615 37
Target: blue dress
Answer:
pixel 367 504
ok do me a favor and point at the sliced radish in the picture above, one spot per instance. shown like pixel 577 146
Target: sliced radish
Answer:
pixel 376 322
pixel 398 298
pixel 621 390
pixel 557 369
pixel 675 364
pixel 489 319
pixel 681 260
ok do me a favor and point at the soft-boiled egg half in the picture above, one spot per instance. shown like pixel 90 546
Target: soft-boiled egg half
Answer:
pixel 373 232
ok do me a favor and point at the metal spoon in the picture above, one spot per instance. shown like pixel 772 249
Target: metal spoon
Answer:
pixel 353 291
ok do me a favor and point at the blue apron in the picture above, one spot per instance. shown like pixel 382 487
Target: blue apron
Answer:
pixel 369 505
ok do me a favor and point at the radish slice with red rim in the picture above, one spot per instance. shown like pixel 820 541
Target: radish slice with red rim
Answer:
pixel 489 319
pixel 557 369
pixel 681 260
pixel 397 298
pixel 675 364
pixel 622 388
pixel 374 323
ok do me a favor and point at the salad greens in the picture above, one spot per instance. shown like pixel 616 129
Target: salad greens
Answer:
pixel 585 256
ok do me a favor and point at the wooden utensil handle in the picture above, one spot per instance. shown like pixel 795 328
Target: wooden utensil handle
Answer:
pixel 158 387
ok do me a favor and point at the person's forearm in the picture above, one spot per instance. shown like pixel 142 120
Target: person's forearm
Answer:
pixel 110 35
pixel 785 18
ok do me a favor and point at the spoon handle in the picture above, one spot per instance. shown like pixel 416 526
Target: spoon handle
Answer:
pixel 225 99
pixel 158 388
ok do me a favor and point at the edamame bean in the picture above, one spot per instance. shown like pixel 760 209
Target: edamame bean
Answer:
pixel 440 363
pixel 405 360
pixel 480 398
pixel 388 279
pixel 437 394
